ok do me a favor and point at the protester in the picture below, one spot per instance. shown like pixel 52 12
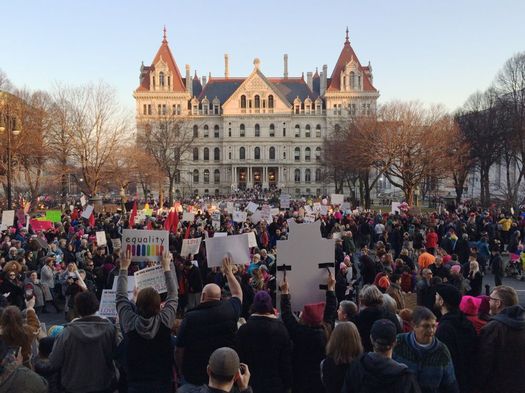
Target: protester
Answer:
pixel 346 311
pixel 502 344
pixel 376 371
pixel 265 345
pixel 225 372
pixel 149 349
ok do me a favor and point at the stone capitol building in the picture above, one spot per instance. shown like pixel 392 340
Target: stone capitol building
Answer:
pixel 254 131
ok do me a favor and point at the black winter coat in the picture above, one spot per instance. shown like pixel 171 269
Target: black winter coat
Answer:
pixel 459 335
pixel 264 344
pixel 366 318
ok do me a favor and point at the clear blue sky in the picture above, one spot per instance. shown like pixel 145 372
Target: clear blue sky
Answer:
pixel 434 51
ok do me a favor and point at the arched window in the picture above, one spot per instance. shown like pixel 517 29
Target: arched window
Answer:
pixel 206 131
pixel 216 176
pixel 242 130
pixel 272 153
pixel 216 131
pixel 297 154
pixel 206 154
pixel 318 175
pixel 161 78
pixel 318 131
pixel 317 153
pixel 270 101
pixel 195 131
pixel 307 154
pixel 242 153
pixel 257 153
pixel 272 130
pixel 216 154
pixel 257 101
pixel 297 131
pixel 297 176
pixel 195 175
pixel 307 133
pixel 257 129
pixel 195 154
pixel 307 175
pixel 206 176
pixel 243 102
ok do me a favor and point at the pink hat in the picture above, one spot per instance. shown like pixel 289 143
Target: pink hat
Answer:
pixel 470 305
pixel 347 259
pixel 455 268
pixel 313 313
pixel 383 282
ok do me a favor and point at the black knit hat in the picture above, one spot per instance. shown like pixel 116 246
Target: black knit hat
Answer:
pixel 450 295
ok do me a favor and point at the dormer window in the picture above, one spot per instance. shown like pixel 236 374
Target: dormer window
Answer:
pixel 161 79
pixel 257 101
pixel 243 102
pixel 270 101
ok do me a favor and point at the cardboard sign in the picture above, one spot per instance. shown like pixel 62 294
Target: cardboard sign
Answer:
pixel 186 216
pixel 151 277
pixel 252 207
pixel 239 216
pixel 8 219
pixel 54 215
pixel 284 201
pixel 337 199
pixel 190 246
pixel 38 225
pixel 145 245
pixel 117 244
pixel 234 246
pixel 87 212
pixel 101 238
pixel 252 241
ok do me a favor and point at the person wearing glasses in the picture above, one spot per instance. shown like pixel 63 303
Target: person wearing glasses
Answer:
pixel 502 344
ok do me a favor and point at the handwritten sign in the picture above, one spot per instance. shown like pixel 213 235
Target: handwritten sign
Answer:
pixel 108 307
pixel 8 219
pixel 234 246
pixel 117 244
pixel 151 277
pixel 216 224
pixel 252 241
pixel 220 234
pixel 190 246
pixel 284 201
pixel 186 216
pixel 101 238
pixel 337 199
pixel 255 218
pixel 266 213
pixel 252 207
pixel 144 244
pixel 87 212
pixel 239 216
pixel 38 225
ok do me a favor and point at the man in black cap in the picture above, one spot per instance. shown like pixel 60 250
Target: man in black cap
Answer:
pixel 224 371
pixel 458 334
pixel 377 371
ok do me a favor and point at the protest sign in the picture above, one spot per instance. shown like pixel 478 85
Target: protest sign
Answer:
pixel 21 216
pixel 252 207
pixel 38 225
pixel 186 216
pixel 309 218
pixel 316 208
pixel 229 207
pixel 216 224
pixel 337 199
pixel 216 215
pixel 107 307
pixel 151 277
pixel 252 241
pixel 255 218
pixel 395 208
pixel 266 213
pixel 83 201
pixel 284 201
pixel 117 244
pixel 308 209
pixel 8 219
pixel 220 234
pixel 324 210
pixel 144 244
pixel 274 211
pixel 101 238
pixel 190 246
pixel 87 212
pixel 131 285
pixel 53 215
pixel 239 216
pixel 234 246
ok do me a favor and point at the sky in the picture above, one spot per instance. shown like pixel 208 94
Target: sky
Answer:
pixel 437 52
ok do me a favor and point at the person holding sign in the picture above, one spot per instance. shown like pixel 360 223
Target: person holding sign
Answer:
pixel 147 330
pixel 209 326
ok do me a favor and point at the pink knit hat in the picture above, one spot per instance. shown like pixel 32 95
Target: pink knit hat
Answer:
pixel 470 305
pixel 313 313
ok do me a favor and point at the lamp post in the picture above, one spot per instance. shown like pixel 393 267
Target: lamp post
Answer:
pixel 8 124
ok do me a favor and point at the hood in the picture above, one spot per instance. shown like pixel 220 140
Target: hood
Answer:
pixel 90 329
pixel 513 317
pixel 456 319
pixel 379 370
pixel 147 328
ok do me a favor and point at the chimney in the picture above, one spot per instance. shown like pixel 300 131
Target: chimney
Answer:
pixel 226 66
pixel 309 80
pixel 323 85
pixel 203 81
pixel 189 83
pixel 285 66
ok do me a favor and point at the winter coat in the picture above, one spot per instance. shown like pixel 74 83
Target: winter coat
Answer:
pixel 502 352
pixel 460 337
pixel 264 344
pixel 394 290
pixel 366 318
pixel 22 379
pixel 374 373
pixel 47 277
pixel 333 375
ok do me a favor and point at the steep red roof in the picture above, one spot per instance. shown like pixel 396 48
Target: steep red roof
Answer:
pixel 344 58
pixel 165 54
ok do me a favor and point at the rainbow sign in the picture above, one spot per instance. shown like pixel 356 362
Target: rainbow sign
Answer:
pixel 145 245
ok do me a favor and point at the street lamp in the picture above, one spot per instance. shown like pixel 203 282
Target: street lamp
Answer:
pixel 9 124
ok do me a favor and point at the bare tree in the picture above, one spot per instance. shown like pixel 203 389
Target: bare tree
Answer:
pixel 5 83
pixel 168 140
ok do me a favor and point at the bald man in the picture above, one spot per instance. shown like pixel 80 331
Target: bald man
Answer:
pixel 210 325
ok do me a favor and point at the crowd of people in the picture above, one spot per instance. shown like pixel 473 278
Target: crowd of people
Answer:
pixel 405 307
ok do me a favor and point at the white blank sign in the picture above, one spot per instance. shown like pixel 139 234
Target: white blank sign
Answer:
pixel 235 246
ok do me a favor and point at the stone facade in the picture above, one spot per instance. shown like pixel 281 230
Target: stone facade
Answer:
pixel 254 131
